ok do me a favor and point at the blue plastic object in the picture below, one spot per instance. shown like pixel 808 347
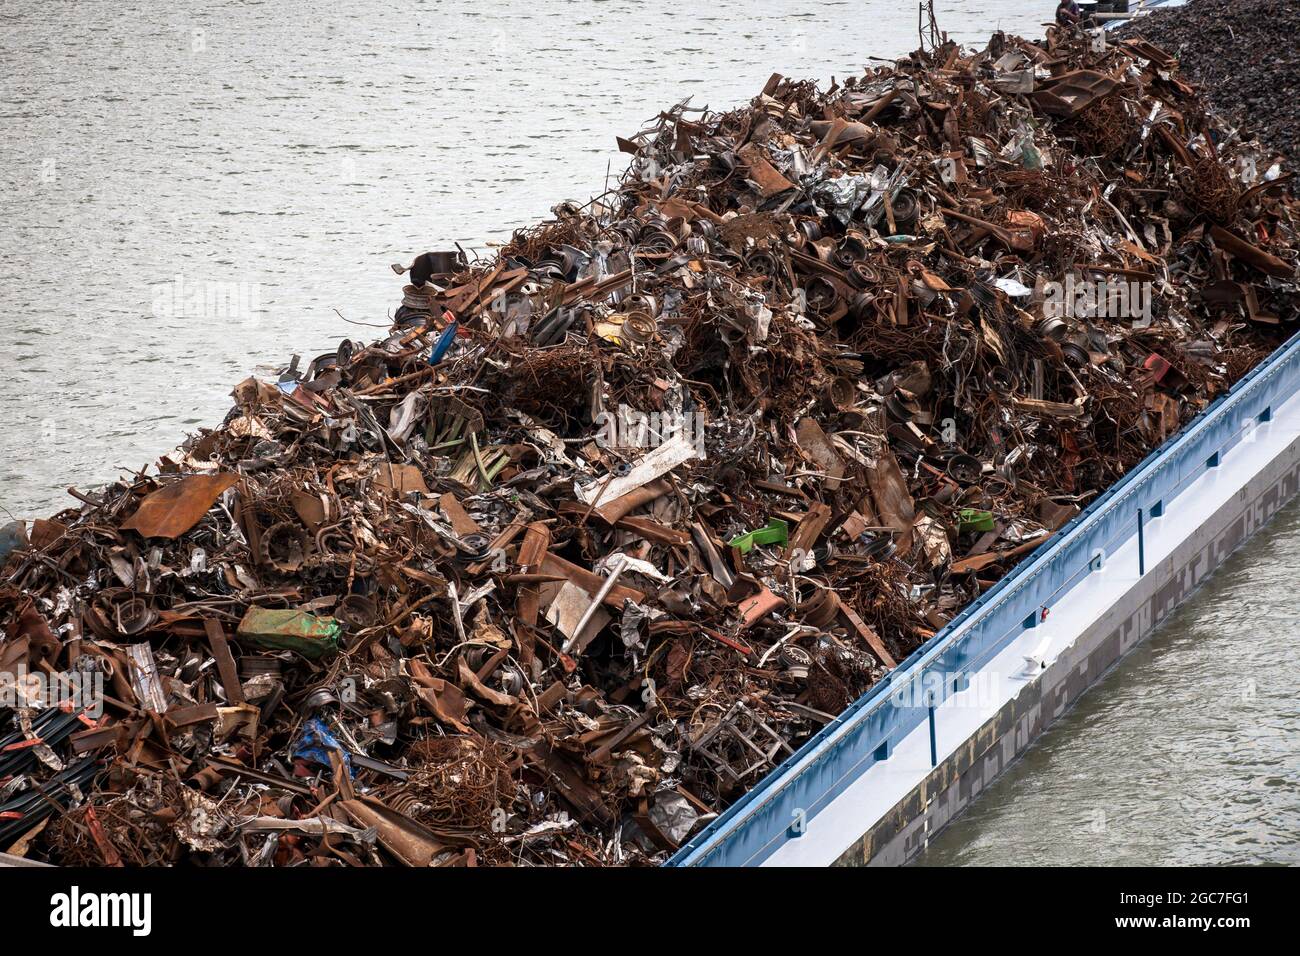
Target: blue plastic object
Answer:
pixel 441 346
pixel 315 742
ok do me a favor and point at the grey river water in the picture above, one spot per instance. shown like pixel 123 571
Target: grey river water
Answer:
pixel 1187 754
pixel 284 153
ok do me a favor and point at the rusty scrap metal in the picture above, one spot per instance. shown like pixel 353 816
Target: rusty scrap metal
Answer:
pixel 610 524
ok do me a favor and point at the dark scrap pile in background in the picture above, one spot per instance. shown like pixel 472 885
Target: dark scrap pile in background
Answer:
pixel 1244 55
pixel 419 602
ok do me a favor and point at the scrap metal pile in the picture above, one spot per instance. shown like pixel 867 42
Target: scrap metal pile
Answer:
pixel 612 522
pixel 1244 56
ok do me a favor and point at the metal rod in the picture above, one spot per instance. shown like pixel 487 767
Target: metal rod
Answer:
pixel 1142 552
pixel 934 748
pixel 614 572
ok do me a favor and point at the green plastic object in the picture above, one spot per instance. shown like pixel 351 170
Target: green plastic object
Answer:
pixel 777 532
pixel 311 636
pixel 1030 156
pixel 972 519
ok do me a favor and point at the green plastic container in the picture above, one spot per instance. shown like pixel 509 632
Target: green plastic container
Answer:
pixel 309 635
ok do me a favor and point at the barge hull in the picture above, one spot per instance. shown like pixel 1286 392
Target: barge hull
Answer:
pixel 905 831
